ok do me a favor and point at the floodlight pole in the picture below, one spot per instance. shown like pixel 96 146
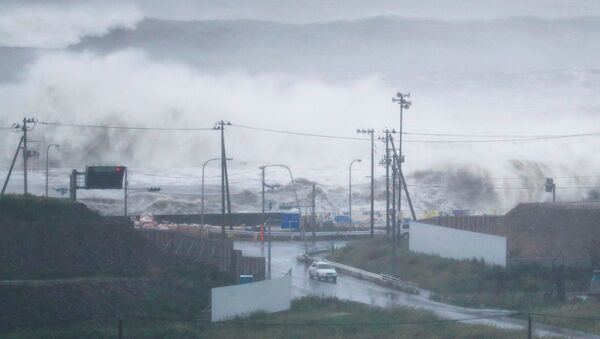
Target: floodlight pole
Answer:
pixel 350 191
pixel 371 133
pixel 48 152
pixel 300 223
pixel 202 199
pixel 125 191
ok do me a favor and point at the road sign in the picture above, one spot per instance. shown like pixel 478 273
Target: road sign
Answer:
pixel 341 219
pixel 290 220
pixel 104 177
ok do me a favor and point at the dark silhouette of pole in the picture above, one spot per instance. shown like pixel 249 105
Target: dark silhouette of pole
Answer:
pixel 25 155
pixel 387 163
pixel 47 153
pixel 404 104
pixel 125 192
pixel 12 165
pixel 393 215
pixel 403 182
pixel 224 180
pixel 387 182
pixel 264 222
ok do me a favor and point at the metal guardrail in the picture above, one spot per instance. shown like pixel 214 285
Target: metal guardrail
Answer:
pixel 296 234
pixel 380 279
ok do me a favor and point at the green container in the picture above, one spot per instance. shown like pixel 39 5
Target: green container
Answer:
pixel 246 278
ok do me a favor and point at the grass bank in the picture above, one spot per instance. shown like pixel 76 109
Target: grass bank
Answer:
pixel 78 264
pixel 471 283
pixel 309 318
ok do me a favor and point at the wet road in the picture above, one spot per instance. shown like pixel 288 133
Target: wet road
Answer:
pixel 350 288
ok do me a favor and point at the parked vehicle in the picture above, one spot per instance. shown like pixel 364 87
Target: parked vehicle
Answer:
pixel 322 271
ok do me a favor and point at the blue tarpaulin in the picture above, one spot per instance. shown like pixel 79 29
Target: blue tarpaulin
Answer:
pixel 341 219
pixel 290 220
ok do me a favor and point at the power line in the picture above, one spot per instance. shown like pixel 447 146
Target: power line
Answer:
pixel 59 124
pixel 328 136
pixel 300 133
pixel 478 135
pixel 502 139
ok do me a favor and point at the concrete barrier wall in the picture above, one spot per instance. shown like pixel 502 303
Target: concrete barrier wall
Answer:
pixel 457 244
pixel 233 219
pixel 238 300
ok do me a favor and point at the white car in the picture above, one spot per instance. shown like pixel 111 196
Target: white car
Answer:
pixel 322 271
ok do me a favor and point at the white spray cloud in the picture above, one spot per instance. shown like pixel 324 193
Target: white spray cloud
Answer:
pixel 50 25
pixel 128 88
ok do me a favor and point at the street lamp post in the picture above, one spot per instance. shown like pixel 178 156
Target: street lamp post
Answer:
pixel 371 133
pixel 47 152
pixel 350 190
pixel 202 200
pixel 262 168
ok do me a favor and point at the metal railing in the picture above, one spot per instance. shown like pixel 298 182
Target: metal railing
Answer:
pixel 380 279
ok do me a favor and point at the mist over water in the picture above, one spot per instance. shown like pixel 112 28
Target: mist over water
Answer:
pixel 499 76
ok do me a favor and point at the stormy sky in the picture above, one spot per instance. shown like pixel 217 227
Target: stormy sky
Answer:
pixel 495 69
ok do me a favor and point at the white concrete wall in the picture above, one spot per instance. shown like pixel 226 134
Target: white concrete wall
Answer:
pixel 457 244
pixel 238 300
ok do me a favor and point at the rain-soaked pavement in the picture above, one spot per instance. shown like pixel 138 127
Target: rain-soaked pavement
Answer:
pixel 284 258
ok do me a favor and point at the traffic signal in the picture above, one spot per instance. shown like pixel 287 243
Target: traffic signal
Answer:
pixel 104 177
pixel 549 185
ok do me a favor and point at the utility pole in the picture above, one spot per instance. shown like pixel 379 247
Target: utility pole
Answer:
pixel 403 183
pixel 371 133
pixel 264 220
pixel 12 165
pixel 400 98
pixel 262 168
pixel 224 180
pixel 387 162
pixel 393 214
pixel 26 154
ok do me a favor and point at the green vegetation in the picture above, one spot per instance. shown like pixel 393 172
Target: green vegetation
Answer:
pixel 465 282
pixel 76 264
pixel 528 288
pixel 18 208
pixel 55 238
pixel 309 318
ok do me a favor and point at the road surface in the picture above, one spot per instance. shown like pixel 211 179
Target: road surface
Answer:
pixel 349 288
